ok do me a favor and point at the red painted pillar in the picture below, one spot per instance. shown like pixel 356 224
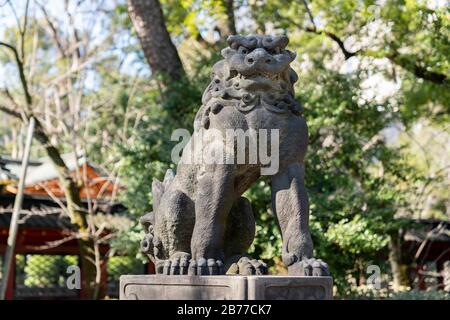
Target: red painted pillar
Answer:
pixel 440 269
pixel 83 293
pixel 150 268
pixel 103 278
pixel 421 283
pixel 9 295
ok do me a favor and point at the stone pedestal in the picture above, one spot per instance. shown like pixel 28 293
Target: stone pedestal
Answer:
pixel 160 287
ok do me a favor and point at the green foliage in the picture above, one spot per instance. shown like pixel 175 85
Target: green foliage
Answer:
pixel 41 270
pixel 267 244
pixel 355 237
pixel 420 295
pixel 368 293
pixel 120 265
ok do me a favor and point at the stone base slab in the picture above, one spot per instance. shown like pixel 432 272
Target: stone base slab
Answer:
pixel 161 287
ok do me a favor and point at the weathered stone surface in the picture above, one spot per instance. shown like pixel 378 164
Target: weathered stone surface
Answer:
pixel 289 288
pixel 161 287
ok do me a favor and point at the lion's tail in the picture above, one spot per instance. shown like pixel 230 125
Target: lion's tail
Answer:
pixel 151 244
pixel 158 187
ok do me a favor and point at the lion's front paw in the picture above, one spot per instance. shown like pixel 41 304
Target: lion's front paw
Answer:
pixel 309 267
pixel 205 267
pixel 246 266
pixel 146 245
pixel 177 264
pixel 181 264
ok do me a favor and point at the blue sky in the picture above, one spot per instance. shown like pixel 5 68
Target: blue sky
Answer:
pixel 94 25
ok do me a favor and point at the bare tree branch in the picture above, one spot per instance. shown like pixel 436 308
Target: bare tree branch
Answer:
pixel 419 71
pixel 10 98
pixel 337 40
pixel 10 112
pixel 15 15
pixel 54 244
pixel 311 17
pixel 53 29
pixel 23 31
pixel 23 80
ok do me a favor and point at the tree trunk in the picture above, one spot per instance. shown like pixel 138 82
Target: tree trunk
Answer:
pixel 77 214
pixel 362 280
pixel 159 50
pixel 230 25
pixel 399 270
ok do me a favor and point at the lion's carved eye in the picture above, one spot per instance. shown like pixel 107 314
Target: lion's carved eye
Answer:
pixel 275 50
pixel 243 50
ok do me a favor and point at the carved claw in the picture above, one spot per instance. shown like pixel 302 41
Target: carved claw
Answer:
pixel 147 244
pixel 175 266
pixel 192 269
pixel 159 266
pixel 203 267
pixel 210 267
pixel 166 269
pixel 179 264
pixel 288 258
pixel 309 267
pixel 157 246
pixel 246 266
pixel 184 265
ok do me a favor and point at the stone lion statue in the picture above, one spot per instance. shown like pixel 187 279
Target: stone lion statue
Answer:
pixel 201 224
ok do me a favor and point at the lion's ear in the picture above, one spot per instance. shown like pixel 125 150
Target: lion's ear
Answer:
pixel 292 55
pixel 234 41
pixel 221 70
pixel 227 52
pixel 231 39
pixel 293 77
pixel 157 192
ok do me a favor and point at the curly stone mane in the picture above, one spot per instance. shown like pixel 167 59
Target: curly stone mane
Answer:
pixel 255 72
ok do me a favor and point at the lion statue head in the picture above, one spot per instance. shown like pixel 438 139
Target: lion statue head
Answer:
pixel 255 71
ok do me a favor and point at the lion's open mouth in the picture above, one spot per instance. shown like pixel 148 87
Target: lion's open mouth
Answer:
pixel 261 76
pixel 258 80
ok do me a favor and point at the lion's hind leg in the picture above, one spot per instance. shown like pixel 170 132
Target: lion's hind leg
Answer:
pixel 174 222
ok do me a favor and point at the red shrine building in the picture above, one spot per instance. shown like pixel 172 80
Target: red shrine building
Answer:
pixel 45 245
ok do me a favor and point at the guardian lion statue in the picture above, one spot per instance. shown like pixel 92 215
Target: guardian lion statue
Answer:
pixel 201 224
